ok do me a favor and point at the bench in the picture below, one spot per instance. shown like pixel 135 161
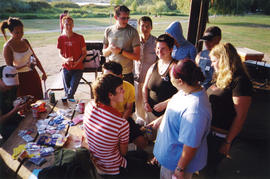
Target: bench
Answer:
pixel 249 54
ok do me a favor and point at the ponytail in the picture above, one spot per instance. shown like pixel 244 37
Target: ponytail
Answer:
pixel 188 72
pixel 10 24
pixel 3 26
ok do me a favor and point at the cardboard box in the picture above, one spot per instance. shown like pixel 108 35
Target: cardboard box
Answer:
pixel 250 54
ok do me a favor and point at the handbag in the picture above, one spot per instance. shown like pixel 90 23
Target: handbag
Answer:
pixel 92 59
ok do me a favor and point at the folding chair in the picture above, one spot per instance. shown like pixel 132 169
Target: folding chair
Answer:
pixel 97 46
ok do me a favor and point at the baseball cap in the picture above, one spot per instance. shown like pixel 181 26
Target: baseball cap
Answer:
pixel 10 76
pixel 210 33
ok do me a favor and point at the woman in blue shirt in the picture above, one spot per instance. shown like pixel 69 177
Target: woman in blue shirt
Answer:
pixel 181 147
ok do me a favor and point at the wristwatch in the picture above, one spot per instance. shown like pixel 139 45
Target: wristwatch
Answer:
pixel 121 51
pixel 179 169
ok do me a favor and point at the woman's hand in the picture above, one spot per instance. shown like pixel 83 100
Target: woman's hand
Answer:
pixel 21 107
pixel 178 175
pixel 147 107
pixel 225 149
pixel 154 161
pixel 155 124
pixel 44 76
pixel 160 106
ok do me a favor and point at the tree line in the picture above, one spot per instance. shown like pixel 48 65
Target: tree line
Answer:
pixel 153 7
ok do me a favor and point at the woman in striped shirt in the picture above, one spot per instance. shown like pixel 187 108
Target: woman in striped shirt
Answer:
pixel 107 132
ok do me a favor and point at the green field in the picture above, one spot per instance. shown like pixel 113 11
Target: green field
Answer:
pixel 252 31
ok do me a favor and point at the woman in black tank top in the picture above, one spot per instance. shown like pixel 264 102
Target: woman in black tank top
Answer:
pixel 158 89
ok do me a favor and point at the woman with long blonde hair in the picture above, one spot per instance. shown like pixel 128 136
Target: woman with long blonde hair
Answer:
pixel 230 98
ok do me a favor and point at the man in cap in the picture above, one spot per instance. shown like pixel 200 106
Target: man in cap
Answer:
pixel 211 38
pixel 9 119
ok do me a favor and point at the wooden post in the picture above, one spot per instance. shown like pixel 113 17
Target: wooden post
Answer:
pixel 193 21
pixel 197 21
pixel 202 23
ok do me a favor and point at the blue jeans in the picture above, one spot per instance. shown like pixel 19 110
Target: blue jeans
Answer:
pixel 71 80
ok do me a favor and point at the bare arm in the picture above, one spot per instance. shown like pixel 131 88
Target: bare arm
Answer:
pixel 145 89
pixel 106 50
pixel 187 155
pixel 44 76
pixel 128 110
pixel 135 55
pixel 12 112
pixel 156 123
pixel 65 60
pixel 241 104
pixel 123 149
pixel 197 59
pixel 8 55
pixel 161 106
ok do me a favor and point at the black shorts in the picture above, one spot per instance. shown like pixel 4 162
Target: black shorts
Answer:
pixel 134 130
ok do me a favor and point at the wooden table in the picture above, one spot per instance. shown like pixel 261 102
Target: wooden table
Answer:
pixel 24 169
pixel 76 132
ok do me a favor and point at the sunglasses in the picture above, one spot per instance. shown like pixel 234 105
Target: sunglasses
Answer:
pixel 124 18
pixel 10 75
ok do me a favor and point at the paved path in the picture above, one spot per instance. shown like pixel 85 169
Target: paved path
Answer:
pixel 79 28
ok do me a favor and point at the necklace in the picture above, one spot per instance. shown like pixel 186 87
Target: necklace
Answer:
pixel 162 67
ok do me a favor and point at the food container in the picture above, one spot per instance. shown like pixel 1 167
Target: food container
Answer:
pixel 52 97
pixel 35 111
pixel 81 107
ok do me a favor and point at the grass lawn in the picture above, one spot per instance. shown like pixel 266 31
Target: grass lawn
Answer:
pixel 250 31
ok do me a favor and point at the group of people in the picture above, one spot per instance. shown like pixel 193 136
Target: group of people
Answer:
pixel 197 103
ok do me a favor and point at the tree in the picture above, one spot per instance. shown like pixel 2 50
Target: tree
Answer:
pixel 264 5
pixel 128 2
pixel 231 6
pixel 161 7
pixel 151 9
pixel 116 2
pixel 183 5
pixel 134 6
pixel 171 4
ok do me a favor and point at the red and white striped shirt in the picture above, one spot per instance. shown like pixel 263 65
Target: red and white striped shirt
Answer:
pixel 105 130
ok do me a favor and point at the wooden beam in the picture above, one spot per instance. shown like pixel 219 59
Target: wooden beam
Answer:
pixel 197 21
pixel 202 23
pixel 193 21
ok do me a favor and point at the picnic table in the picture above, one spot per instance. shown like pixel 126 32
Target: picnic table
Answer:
pixel 25 168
